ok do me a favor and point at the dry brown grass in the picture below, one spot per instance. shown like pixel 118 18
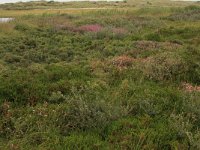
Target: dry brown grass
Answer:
pixel 6 27
pixel 17 13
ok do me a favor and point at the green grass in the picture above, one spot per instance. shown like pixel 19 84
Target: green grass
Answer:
pixel 120 78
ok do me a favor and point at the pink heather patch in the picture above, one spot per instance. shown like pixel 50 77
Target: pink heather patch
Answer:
pixel 119 31
pixel 91 28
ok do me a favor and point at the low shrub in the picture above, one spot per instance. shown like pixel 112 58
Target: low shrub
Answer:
pixel 84 141
pixel 123 61
pixel 190 13
pixel 166 66
pixel 153 37
pixel 90 28
pixel 56 97
pixel 83 115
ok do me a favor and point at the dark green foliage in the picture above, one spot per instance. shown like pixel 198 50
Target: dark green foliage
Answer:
pixel 153 37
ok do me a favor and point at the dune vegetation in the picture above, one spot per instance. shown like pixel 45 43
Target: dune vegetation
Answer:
pixel 126 77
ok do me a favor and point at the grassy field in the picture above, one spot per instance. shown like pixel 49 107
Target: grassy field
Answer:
pixel 126 77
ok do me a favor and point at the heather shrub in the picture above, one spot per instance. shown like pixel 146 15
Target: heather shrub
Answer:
pixel 111 33
pixel 90 28
pixel 38 140
pixel 3 68
pixel 190 13
pixel 84 141
pixel 194 66
pixel 171 33
pixel 183 127
pixel 56 97
pixel 153 37
pixel 6 128
pixel 190 88
pixel 10 58
pixel 166 66
pixel 131 132
pixel 148 98
pixel 123 61
pixel 21 87
pixel 104 34
pixel 22 27
pixel 119 33
pixel 36 68
pixel 83 115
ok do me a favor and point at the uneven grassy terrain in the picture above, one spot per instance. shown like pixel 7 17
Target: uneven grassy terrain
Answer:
pixel 126 77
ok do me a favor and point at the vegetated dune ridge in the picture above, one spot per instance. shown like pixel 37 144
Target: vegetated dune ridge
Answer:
pixel 16 1
pixel 121 78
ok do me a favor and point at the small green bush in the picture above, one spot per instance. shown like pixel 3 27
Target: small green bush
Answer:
pixel 153 37
pixel 83 115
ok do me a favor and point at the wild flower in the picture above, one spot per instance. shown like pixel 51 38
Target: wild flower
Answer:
pixel 91 28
